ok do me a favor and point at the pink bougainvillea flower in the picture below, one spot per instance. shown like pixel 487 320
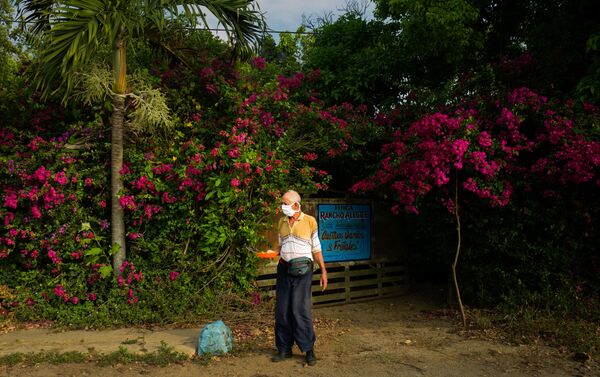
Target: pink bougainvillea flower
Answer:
pixel 211 88
pixel 310 156
pixel 207 73
pixel 61 178
pixel 54 257
pixel 59 290
pixel 8 218
pixel 234 153
pixel 11 200
pixel 125 169
pixel 168 199
pixel 123 266
pixel 292 82
pixel 259 63
pixel 127 201
pixel 41 174
pixel 143 183
pixel 484 139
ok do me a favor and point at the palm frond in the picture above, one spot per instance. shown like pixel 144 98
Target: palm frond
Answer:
pixel 75 32
pixel 242 19
pixel 36 13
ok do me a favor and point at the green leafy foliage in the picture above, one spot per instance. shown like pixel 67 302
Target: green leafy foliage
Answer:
pixel 360 61
pixel 196 204
pixel 438 38
pixel 441 39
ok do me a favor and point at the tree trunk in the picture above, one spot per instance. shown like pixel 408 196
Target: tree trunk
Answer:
pixel 116 183
pixel 458 231
pixel 116 156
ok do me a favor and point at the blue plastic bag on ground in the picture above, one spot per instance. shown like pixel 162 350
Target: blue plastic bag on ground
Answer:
pixel 215 338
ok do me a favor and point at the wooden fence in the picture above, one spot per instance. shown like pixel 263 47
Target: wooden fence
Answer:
pixel 347 281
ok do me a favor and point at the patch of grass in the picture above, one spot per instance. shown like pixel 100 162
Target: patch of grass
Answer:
pixel 203 360
pixel 163 356
pixel 51 357
pixel 129 341
pixel 13 358
pixel 122 356
pixel 481 319
pixel 571 333
pixel 167 354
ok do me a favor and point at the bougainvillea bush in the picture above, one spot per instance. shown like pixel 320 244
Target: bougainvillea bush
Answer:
pixel 197 202
pixel 489 152
pixel 525 172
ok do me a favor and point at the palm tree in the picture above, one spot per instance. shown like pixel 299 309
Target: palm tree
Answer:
pixel 73 31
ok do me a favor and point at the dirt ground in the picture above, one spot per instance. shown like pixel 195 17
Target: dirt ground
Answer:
pixel 401 336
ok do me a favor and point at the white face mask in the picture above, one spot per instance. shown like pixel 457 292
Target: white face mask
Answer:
pixel 288 210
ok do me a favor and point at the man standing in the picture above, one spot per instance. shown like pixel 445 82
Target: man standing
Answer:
pixel 299 247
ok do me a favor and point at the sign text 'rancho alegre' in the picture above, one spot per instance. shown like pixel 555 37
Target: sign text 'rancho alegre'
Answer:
pixel 345 231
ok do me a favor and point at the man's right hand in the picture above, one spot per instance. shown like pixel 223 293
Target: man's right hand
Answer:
pixel 323 282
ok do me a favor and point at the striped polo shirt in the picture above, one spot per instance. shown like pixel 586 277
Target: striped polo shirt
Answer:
pixel 300 239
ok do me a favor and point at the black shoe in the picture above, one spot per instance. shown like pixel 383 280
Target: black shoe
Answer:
pixel 281 355
pixel 311 359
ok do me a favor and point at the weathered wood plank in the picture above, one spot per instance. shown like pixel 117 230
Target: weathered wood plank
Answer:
pixel 267 282
pixel 364 292
pixel 349 281
pixel 394 269
pixel 329 297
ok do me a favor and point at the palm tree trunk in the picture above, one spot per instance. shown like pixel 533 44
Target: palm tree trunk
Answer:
pixel 116 182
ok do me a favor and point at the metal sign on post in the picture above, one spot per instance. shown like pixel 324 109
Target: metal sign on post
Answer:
pixel 345 231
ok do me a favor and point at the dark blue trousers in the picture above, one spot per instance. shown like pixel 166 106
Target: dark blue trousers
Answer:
pixel 293 317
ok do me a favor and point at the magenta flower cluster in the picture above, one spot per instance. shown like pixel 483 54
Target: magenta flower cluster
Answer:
pixel 489 154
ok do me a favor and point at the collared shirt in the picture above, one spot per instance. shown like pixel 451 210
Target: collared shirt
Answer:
pixel 301 239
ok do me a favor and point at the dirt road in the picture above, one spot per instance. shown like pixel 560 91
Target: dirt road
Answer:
pixel 402 336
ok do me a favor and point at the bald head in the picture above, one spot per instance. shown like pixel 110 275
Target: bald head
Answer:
pixel 291 197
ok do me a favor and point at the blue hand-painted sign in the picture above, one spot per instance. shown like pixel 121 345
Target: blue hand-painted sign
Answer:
pixel 345 231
